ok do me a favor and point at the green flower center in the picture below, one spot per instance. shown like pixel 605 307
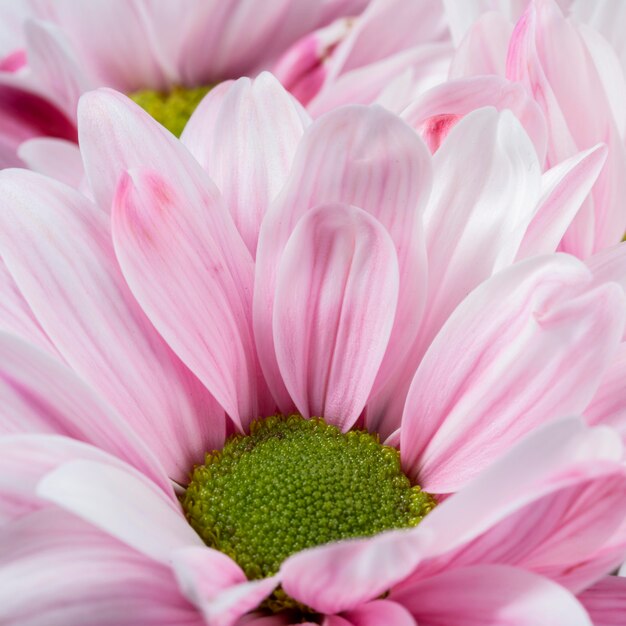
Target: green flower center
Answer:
pixel 173 108
pixel 293 484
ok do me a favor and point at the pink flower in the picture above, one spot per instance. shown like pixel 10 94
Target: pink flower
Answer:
pixel 301 266
pixel 51 52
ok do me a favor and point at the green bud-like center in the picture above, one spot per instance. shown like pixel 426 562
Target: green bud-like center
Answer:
pixel 173 108
pixel 293 484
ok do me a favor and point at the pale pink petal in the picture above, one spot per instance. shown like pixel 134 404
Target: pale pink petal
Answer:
pixel 25 459
pixel 487 181
pixel 452 100
pixel 39 394
pixel 16 316
pixel 564 482
pixel 217 585
pixel 527 346
pixel 380 613
pixel 427 63
pixel 606 601
pixel 57 158
pixel 121 502
pixel 336 295
pixel 247 147
pixel 609 264
pixel 368 158
pixel 564 189
pixel 56 570
pixel 57 246
pixel 608 405
pixel 483 49
pixel 491 595
pixel 176 258
pixel 543 48
pixel 341 576
pixel 55 65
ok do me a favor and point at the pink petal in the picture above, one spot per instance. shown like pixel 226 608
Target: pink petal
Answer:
pixel 543 47
pixel 608 405
pixel 336 295
pixel 606 601
pixel 16 316
pixel 368 158
pixel 247 147
pixel 39 394
pixel 57 158
pixel 527 346
pixel 57 246
pixel 341 576
pixel 551 505
pixel 55 65
pixel 196 289
pixel 123 503
pixel 55 570
pixel 380 613
pixel 25 459
pixel 487 181
pixel 609 265
pixel 483 49
pixel 565 188
pixel 456 98
pixel 491 595
pixel 217 585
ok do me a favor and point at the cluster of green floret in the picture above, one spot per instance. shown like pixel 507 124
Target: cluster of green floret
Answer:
pixel 171 108
pixel 293 484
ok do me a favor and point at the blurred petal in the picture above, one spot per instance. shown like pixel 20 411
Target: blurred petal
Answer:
pixel 57 158
pixel 606 601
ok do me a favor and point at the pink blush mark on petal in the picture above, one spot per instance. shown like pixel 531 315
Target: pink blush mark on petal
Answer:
pixel 436 128
pixel 13 61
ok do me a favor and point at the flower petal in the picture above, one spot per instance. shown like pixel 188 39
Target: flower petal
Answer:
pixel 551 505
pixel 56 570
pixel 57 246
pixel 380 613
pixel 123 503
pixel 366 157
pixel 57 158
pixel 336 294
pixel 564 189
pixel 527 346
pixel 342 576
pixel 606 601
pixel 247 147
pixel 196 290
pixel 491 595
pixel 38 394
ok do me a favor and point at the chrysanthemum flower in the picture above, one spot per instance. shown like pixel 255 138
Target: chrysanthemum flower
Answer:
pixel 167 54
pixel 247 342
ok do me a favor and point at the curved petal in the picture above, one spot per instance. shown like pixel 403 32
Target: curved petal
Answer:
pixel 247 147
pixel 38 394
pixel 527 346
pixel 341 576
pixel 122 503
pixel 57 246
pixel 366 157
pixel 56 570
pixel 608 405
pixel 606 601
pixel 380 613
pixel 564 189
pixel 456 98
pixel 551 505
pixel 336 295
pixel 25 459
pixel 192 287
pixel 57 158
pixel 491 595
